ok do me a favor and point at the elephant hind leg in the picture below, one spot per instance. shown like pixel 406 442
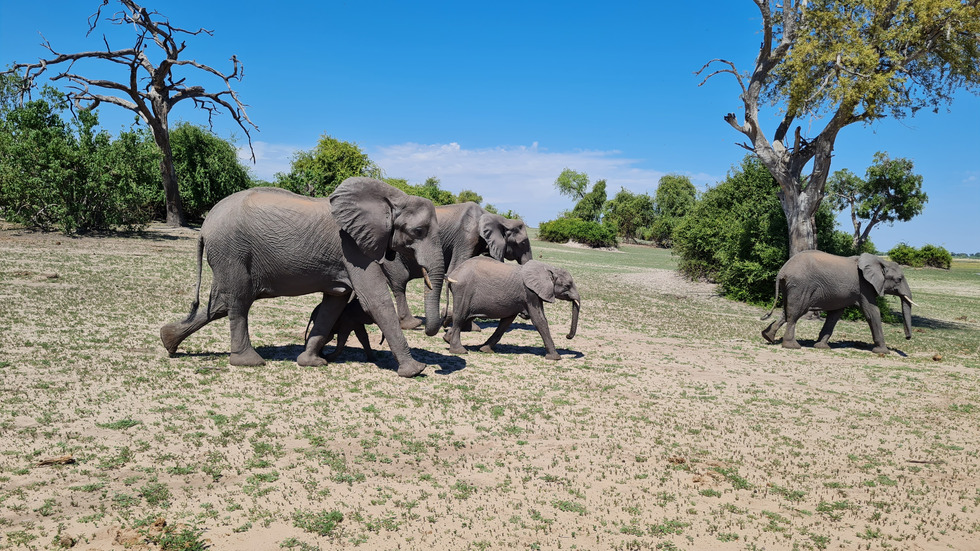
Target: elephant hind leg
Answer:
pixel 769 333
pixel 827 330
pixel 242 352
pixel 327 313
pixel 502 328
pixel 172 334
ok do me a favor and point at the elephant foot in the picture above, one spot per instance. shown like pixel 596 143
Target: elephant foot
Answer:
pixel 457 349
pixel 881 350
pixel 308 359
pixel 552 356
pixel 769 338
pixel 792 345
pixel 823 345
pixel 170 338
pixel 410 323
pixel 247 358
pixel 410 368
pixel 487 349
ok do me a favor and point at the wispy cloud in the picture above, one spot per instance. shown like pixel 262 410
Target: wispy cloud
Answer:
pixel 519 178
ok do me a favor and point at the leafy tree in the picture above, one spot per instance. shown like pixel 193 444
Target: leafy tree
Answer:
pixel 468 195
pixel 589 233
pixel 735 235
pixel 592 204
pixel 890 192
pixel 209 167
pixel 846 63
pixel 572 184
pixel 508 214
pixel 318 172
pixel 675 197
pixel 629 212
pixel 429 189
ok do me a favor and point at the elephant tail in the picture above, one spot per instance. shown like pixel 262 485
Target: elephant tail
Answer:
pixel 306 334
pixel 197 291
pixel 779 278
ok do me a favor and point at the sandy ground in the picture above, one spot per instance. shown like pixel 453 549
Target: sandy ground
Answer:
pixel 658 429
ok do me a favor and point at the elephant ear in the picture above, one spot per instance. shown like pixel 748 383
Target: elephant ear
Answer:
pixel 873 271
pixel 363 208
pixel 492 232
pixel 539 279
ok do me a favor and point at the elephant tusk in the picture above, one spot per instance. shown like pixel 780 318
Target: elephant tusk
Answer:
pixel 425 276
pixel 451 280
pixel 907 299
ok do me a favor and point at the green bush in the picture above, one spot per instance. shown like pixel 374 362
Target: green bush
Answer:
pixel 929 255
pixel 590 233
pixel 736 234
pixel 207 168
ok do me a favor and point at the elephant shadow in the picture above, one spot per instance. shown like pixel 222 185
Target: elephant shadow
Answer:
pixel 384 359
pixel 845 344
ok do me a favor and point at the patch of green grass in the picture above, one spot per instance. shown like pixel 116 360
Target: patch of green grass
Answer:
pixel 322 523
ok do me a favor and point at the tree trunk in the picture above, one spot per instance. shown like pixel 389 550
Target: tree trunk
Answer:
pixel 171 191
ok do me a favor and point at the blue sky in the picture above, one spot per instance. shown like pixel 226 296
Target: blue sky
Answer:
pixel 499 97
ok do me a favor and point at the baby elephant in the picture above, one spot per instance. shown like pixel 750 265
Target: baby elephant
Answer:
pixel 353 319
pixel 486 288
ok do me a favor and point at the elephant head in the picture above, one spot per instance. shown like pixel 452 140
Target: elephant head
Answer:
pixel 506 238
pixel 550 282
pixel 382 220
pixel 887 278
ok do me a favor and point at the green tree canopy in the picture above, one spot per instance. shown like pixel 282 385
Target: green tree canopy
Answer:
pixel 209 169
pixel 889 192
pixel 590 207
pixel 629 212
pixel 572 184
pixel 318 172
pixel 844 63
pixel 675 197
pixel 468 195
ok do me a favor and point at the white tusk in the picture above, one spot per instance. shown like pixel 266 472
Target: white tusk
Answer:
pixel 425 276
pixel 451 280
pixel 905 298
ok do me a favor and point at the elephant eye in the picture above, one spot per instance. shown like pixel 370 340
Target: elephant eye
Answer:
pixel 419 232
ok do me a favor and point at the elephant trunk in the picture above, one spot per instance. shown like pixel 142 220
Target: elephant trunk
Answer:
pixel 576 305
pixel 433 318
pixel 907 315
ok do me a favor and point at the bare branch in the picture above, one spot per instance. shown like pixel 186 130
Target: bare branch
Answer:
pixel 732 70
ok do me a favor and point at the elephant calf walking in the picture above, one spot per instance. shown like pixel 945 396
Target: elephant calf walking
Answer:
pixel 815 280
pixel 485 288
pixel 353 319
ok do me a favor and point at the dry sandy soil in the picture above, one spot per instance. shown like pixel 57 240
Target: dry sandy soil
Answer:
pixel 667 424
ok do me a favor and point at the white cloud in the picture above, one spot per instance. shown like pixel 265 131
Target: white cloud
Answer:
pixel 518 178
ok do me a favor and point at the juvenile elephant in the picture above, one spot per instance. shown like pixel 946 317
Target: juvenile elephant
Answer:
pixel 352 320
pixel 484 288
pixel 268 242
pixel 465 231
pixel 815 280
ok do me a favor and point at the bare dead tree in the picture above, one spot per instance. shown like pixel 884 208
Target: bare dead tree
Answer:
pixel 150 90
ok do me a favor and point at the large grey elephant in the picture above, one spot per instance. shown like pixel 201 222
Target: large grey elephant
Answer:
pixel 465 230
pixel 268 242
pixel 484 288
pixel 815 280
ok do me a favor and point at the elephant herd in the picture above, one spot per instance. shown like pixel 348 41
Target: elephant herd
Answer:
pixel 361 246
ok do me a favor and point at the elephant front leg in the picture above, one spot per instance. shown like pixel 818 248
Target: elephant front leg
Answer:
pixel 873 315
pixel 502 328
pixel 541 324
pixel 827 330
pixel 327 313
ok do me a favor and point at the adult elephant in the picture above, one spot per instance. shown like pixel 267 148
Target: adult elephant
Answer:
pixel 815 280
pixel 465 230
pixel 268 242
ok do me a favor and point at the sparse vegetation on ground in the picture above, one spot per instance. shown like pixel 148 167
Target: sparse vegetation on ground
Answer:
pixel 668 423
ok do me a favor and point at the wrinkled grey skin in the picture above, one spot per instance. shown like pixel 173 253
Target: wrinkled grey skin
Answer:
pixel 465 230
pixel 268 242
pixel 815 280
pixel 484 288
pixel 352 320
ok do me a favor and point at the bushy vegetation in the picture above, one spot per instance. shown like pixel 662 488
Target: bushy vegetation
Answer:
pixel 928 256
pixel 59 172
pixel 589 233
pixel 736 234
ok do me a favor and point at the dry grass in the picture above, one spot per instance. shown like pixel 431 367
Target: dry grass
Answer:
pixel 668 424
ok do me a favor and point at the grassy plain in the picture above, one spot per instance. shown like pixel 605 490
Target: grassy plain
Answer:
pixel 668 423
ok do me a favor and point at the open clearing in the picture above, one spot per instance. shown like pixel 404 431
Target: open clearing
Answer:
pixel 668 423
